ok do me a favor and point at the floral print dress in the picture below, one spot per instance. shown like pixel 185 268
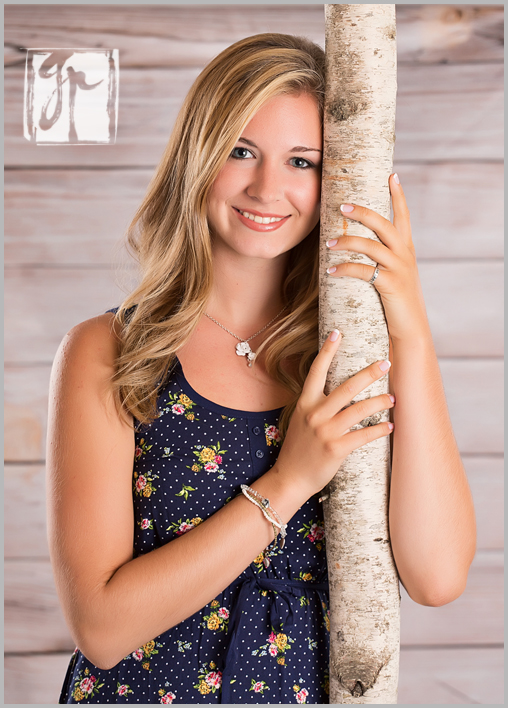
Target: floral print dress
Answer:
pixel 265 638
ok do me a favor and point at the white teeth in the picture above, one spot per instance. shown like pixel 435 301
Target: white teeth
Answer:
pixel 259 219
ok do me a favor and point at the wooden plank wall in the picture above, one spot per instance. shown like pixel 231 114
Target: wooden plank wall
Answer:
pixel 66 212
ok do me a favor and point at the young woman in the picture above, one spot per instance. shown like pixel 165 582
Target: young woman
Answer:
pixel 175 417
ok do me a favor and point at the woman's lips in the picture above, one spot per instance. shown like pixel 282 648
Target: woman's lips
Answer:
pixel 260 227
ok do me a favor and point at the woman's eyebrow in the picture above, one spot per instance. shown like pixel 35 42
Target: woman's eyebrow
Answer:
pixel 298 148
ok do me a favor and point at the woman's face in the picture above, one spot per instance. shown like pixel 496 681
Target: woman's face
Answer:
pixel 274 171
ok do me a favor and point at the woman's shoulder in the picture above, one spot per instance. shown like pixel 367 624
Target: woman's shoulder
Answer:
pixel 95 340
pixel 85 363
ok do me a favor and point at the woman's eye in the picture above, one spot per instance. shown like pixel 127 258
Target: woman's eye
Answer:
pixel 240 153
pixel 304 166
pixel 239 157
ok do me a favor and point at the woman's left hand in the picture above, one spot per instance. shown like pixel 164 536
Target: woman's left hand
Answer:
pixel 398 282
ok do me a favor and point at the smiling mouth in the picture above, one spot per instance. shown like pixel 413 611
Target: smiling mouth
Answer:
pixel 260 219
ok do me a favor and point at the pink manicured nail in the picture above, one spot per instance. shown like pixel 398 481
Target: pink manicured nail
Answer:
pixel 332 269
pixel 392 398
pixel 385 365
pixel 346 208
pixel 334 335
pixel 390 426
pixel 331 243
pixel 396 178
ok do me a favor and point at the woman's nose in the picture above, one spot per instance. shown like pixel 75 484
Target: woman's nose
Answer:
pixel 266 184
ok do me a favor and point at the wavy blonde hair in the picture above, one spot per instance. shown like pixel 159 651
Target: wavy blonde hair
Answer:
pixel 170 236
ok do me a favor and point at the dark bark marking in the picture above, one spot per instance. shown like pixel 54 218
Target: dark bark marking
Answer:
pixel 351 302
pixel 371 420
pixel 357 673
pixel 344 108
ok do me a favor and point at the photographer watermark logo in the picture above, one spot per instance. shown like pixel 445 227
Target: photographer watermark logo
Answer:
pixel 71 96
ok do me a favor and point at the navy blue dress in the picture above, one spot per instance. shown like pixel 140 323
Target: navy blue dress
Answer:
pixel 265 638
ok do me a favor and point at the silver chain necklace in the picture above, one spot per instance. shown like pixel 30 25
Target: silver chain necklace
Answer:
pixel 243 347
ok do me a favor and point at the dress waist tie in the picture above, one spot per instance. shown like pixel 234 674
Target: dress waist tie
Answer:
pixel 280 611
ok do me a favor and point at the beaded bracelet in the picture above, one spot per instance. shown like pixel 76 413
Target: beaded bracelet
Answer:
pixel 260 506
pixel 266 509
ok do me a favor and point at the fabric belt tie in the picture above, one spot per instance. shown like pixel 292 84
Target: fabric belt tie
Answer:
pixel 280 609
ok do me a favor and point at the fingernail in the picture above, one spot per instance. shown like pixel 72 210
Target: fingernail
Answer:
pixel 331 243
pixel 396 178
pixel 334 335
pixel 385 365
pixel 392 398
pixel 332 269
pixel 346 208
pixel 390 426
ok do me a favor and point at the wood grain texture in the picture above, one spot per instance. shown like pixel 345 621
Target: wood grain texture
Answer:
pixel 34 621
pixel 437 124
pixel 486 479
pixel 157 35
pixel 473 390
pixel 25 528
pixel 26 412
pixel 451 676
pixel 42 304
pixel 445 222
pixel 464 298
pixel 449 33
pixel 450 126
pixel 182 35
pixel 35 678
pixel 427 676
pixel 476 617
pixel 24 498
pixel 419 79
pixel 72 217
pixel 80 216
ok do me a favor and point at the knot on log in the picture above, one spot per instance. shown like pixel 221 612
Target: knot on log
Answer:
pixel 358 671
pixel 342 109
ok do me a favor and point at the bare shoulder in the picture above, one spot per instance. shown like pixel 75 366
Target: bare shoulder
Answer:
pixel 96 337
pixel 85 360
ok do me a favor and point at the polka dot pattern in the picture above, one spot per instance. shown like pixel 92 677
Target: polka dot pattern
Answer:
pixel 265 638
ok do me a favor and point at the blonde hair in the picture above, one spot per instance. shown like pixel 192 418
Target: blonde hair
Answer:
pixel 170 235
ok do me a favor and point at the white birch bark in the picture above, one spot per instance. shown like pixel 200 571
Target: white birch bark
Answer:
pixel 359 136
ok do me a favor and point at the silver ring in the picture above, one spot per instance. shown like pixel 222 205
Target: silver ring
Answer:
pixel 374 276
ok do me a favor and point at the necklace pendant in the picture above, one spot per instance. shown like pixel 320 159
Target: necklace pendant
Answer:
pixel 243 349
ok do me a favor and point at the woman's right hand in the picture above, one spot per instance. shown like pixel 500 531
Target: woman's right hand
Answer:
pixel 319 438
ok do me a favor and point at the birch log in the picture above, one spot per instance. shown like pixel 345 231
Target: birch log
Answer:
pixel 359 136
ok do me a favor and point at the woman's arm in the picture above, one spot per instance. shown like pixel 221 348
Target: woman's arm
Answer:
pixel 431 515
pixel 113 603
